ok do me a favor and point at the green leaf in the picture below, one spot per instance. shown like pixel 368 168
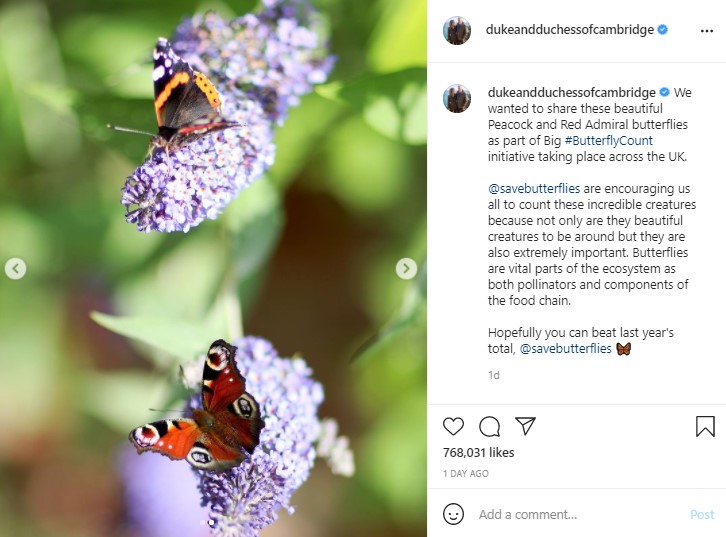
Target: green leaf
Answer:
pixel 221 258
pixel 399 38
pixel 176 338
pixel 254 222
pixel 399 434
pixel 411 308
pixel 115 49
pixel 372 181
pixel 29 52
pixel 197 258
pixel 121 400
pixel 306 127
pixel 58 98
pixel 394 104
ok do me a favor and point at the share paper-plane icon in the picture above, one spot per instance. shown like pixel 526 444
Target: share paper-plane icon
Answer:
pixel 526 424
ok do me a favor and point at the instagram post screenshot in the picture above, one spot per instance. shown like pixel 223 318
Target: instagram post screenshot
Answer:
pixel 322 268
pixel 213 240
pixel 575 381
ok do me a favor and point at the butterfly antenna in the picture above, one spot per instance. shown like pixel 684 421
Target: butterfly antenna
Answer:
pixel 126 129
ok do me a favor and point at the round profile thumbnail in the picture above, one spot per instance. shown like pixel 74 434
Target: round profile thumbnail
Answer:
pixel 457 30
pixel 457 98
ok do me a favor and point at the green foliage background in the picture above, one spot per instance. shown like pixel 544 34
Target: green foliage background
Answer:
pixel 304 258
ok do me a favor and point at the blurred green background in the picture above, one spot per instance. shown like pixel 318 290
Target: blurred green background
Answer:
pixel 312 249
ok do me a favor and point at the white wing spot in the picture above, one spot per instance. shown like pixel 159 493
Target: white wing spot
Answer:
pixel 158 72
pixel 161 442
pixel 167 62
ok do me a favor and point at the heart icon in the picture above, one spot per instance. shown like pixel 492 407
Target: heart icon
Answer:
pixel 453 425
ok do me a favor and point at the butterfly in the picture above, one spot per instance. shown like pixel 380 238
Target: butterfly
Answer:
pixel 221 434
pixel 623 349
pixel 186 102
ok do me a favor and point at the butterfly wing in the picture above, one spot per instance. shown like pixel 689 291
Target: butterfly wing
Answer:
pixel 626 349
pixel 174 438
pixel 183 439
pixel 224 396
pixel 620 349
pixel 222 382
pixel 184 99
pixel 243 417
pixel 220 433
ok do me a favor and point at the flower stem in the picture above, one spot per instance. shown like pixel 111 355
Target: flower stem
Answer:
pixel 233 313
pixel 228 295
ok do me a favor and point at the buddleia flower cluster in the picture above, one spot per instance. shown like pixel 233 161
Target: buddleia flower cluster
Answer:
pixel 239 502
pixel 247 498
pixel 261 64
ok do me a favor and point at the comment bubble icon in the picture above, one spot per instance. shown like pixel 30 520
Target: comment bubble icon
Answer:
pixel 489 426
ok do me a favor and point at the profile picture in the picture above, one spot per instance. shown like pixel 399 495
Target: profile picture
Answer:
pixel 457 98
pixel 457 30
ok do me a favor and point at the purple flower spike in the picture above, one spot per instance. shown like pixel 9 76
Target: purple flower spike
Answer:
pixel 271 56
pixel 161 497
pixel 260 65
pixel 239 502
pixel 246 498
pixel 177 190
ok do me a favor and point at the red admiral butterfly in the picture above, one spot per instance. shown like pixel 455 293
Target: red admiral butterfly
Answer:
pixel 223 432
pixel 186 102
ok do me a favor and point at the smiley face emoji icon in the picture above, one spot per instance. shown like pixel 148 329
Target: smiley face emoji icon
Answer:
pixel 453 514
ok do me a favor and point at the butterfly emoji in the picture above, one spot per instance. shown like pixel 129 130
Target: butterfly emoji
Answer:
pixel 221 434
pixel 623 349
pixel 186 102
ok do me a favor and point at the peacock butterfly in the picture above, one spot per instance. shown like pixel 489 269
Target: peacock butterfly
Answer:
pixel 223 432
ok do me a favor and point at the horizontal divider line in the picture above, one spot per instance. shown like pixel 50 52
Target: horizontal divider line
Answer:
pixel 618 63
pixel 576 488
pixel 576 404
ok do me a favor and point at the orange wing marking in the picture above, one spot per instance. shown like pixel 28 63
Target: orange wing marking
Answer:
pixel 206 86
pixel 177 80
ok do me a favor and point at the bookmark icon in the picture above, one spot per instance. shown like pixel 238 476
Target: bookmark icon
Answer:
pixel 705 424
